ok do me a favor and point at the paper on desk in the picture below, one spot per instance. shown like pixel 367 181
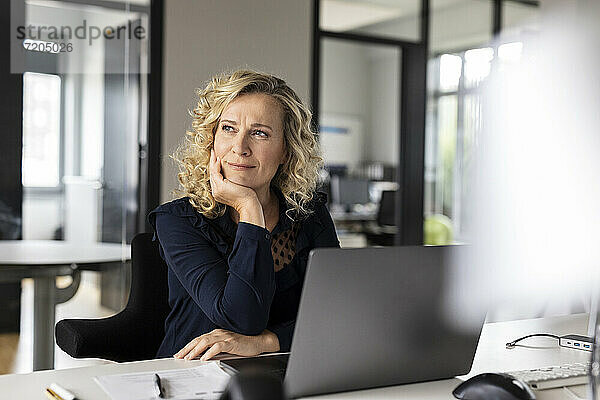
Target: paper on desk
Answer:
pixel 206 381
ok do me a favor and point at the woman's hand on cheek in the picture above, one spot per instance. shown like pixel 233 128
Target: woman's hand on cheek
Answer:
pixel 223 341
pixel 227 192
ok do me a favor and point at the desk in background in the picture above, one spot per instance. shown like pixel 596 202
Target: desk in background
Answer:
pixel 44 260
pixel 491 356
pixel 360 229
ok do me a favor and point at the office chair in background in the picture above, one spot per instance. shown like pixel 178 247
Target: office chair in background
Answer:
pixel 385 231
pixel 136 332
pixel 386 213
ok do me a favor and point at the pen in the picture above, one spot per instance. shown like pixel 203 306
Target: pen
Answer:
pixel 158 386
pixel 61 393
pixel 51 395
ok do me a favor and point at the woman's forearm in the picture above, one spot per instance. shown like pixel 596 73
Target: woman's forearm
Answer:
pixel 237 298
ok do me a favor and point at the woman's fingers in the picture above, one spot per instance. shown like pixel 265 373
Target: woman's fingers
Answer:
pixel 199 349
pixel 198 345
pixel 200 341
pixel 223 341
pixel 218 167
pixel 225 191
pixel 214 170
pixel 187 348
pixel 217 181
pixel 216 348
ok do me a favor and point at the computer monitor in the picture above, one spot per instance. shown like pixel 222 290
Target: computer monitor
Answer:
pixel 349 191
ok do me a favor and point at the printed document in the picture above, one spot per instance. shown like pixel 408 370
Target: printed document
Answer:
pixel 206 381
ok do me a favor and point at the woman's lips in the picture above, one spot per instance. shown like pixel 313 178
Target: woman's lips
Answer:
pixel 240 167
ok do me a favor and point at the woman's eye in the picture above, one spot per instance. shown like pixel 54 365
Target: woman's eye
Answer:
pixel 227 128
pixel 261 133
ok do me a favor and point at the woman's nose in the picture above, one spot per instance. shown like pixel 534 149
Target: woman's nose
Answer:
pixel 240 144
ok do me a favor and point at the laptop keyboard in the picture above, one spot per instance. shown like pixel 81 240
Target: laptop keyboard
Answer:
pixel 554 376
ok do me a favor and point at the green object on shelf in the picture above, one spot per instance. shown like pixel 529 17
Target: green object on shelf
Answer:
pixel 437 230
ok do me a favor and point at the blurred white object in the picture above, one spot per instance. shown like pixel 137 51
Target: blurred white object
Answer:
pixel 537 183
pixel 83 205
pixel 352 240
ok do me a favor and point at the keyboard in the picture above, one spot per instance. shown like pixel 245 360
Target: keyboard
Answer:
pixel 555 376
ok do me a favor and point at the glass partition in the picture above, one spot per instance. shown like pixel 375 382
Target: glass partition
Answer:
pixel 84 67
pixel 85 100
pixel 392 19
pixel 359 131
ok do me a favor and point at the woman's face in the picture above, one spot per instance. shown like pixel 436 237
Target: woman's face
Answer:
pixel 249 140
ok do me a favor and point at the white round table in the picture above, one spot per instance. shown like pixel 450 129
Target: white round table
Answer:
pixel 44 260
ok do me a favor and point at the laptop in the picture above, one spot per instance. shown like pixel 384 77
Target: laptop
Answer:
pixel 374 317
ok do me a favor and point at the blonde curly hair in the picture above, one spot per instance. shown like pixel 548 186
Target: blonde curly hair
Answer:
pixel 296 179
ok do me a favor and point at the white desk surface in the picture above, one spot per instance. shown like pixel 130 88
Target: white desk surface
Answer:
pixel 56 252
pixel 491 356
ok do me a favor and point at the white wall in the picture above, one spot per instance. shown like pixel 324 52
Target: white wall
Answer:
pixel 206 37
pixel 364 81
pixel 345 93
pixel 383 142
pixel 345 78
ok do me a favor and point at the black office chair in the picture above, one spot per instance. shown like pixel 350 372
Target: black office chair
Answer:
pixel 386 221
pixel 386 213
pixel 136 332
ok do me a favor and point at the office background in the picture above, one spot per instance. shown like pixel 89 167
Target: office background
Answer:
pixel 393 85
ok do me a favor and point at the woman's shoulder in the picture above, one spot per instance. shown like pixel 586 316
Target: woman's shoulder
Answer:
pixel 180 207
pixel 180 215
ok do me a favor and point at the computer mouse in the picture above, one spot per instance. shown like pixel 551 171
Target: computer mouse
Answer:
pixel 493 387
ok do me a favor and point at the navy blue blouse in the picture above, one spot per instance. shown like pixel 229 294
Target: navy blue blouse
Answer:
pixel 221 274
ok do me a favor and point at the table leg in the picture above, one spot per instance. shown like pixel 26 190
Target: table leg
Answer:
pixel 44 301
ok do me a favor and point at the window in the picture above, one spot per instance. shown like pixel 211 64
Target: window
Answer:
pixel 454 121
pixel 41 130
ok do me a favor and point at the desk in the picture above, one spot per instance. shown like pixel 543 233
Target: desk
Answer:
pixel 352 222
pixel 491 356
pixel 44 260
pixel 353 216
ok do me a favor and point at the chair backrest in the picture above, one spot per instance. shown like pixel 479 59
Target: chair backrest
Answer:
pixel 386 214
pixel 137 331
pixel 148 298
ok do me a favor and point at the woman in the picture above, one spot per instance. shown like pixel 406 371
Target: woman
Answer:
pixel 238 242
